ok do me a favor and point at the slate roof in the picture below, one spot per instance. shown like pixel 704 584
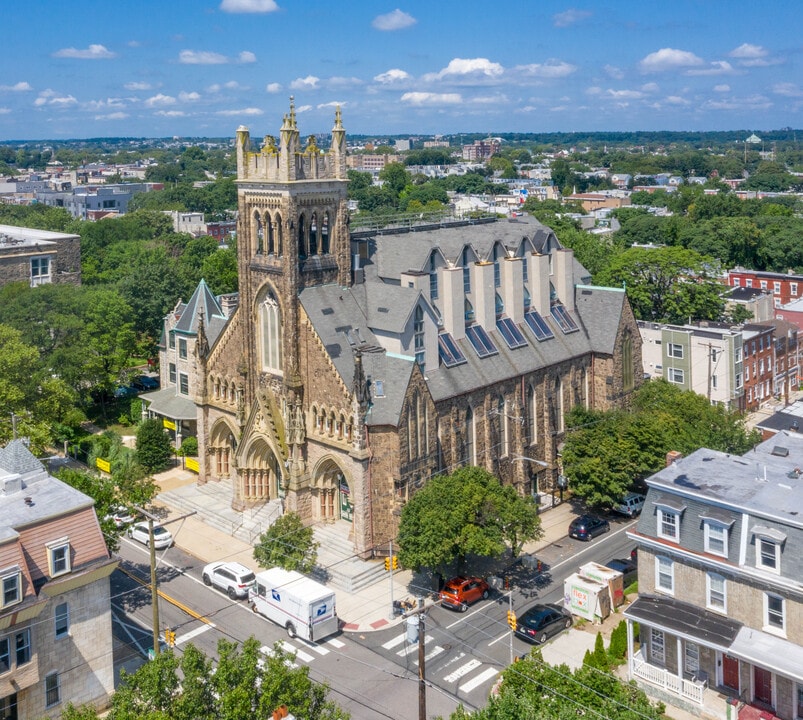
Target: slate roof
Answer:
pixel 170 404
pixel 17 458
pixel 202 300
pixel 685 619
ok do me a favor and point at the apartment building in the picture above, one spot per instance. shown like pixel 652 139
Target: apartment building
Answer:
pixel 55 605
pixel 720 548
pixel 785 287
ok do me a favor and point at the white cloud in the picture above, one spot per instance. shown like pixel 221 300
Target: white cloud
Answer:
pixel 273 87
pixel 676 100
pixel 243 111
pixel 4 111
pixel 160 100
pixel 16 87
pixel 650 87
pixel 170 113
pixel 396 20
pixel 498 99
pixel 460 67
pixel 303 108
pixel 594 90
pixel 669 59
pixel 751 102
pixel 391 76
pixel 570 16
pixel 748 51
pixel 246 56
pixel 133 43
pixel 717 67
pixel 248 6
pixel 614 72
pixel 230 85
pixel 428 98
pixel 624 94
pixel 138 86
pixel 787 89
pixel 97 105
pixel 308 83
pixel 51 97
pixel 722 88
pixel 550 69
pixel 188 96
pixel 93 52
pixel 333 104
pixel 112 116
pixel 201 57
pixel 62 101
pixel 343 82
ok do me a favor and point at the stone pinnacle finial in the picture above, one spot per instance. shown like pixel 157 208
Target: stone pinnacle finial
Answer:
pixel 292 111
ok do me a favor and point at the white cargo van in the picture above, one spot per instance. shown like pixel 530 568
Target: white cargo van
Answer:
pixel 303 607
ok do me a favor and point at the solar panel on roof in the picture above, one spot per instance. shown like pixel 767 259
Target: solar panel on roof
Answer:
pixel 511 333
pixel 562 317
pixel 538 325
pixel 480 341
pixel 448 351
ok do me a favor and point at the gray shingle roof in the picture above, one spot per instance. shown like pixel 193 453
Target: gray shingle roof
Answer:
pixel 17 458
pixel 202 300
pixel 600 310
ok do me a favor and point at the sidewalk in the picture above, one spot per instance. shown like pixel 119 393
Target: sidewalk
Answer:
pixel 362 611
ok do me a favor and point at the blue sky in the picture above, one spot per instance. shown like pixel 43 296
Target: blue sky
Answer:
pixel 203 67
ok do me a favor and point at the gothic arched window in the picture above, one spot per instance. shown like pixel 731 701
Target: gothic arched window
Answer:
pixel 418 336
pixel 325 234
pixel 271 330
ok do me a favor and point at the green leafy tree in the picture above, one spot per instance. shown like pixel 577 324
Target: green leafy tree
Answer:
pixel 102 489
pixel 287 544
pixel 465 512
pixel 395 177
pixel 154 449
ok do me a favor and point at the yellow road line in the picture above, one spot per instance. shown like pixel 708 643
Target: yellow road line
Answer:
pixel 166 597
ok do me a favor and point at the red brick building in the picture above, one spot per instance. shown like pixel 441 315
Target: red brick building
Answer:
pixel 758 365
pixel 785 287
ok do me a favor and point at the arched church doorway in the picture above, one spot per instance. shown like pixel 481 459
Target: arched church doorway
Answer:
pixel 332 492
pixel 222 445
pixel 260 475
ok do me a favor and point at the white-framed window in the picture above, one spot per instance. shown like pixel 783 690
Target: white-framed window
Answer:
pixel 172 340
pixel 774 613
pixel 664 575
pixel 657 646
pixel 716 593
pixel 40 271
pixel 22 646
pixel 184 383
pixel 737 282
pixel 271 335
pixel 52 690
pixel 61 616
pixel 768 555
pixel 58 555
pixel 776 287
pixel 737 354
pixel 12 586
pixel 691 657
pixel 799 701
pixel 182 348
pixel 172 373
pixel 674 350
pixel 668 524
pixel 763 284
pixel 793 289
pixel 418 336
pixel 716 538
pixel 675 375
pixel 739 380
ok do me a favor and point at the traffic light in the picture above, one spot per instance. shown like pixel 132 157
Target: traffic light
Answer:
pixel 387 563
pixel 395 563
pixel 170 637
pixel 511 619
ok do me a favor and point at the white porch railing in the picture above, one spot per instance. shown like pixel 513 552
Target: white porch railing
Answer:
pixel 689 689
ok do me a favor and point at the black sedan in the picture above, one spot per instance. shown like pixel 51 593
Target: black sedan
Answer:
pixel 541 622
pixel 586 527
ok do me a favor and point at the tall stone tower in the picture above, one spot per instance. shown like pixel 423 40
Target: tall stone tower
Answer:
pixel 292 233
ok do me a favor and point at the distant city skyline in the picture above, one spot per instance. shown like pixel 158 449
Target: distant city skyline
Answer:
pixel 195 68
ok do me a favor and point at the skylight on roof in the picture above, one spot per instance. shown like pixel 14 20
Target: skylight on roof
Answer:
pixel 480 341
pixel 562 317
pixel 538 325
pixel 448 351
pixel 511 333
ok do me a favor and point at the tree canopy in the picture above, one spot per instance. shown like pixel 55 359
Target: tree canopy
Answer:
pixel 287 544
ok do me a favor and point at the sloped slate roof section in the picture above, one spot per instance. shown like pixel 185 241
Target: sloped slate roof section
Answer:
pixel 202 299
pixel 600 310
pixel 17 458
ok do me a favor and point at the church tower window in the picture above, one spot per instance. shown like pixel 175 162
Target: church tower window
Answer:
pixel 271 326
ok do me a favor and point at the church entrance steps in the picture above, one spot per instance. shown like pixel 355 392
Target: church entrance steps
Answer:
pixel 337 563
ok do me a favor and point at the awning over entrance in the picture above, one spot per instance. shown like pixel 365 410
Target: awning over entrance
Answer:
pixel 686 620
pixel 770 652
pixel 169 404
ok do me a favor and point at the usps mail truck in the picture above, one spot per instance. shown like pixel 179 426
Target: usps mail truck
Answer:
pixel 303 607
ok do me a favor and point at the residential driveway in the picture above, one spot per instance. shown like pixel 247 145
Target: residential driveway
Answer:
pixel 569 648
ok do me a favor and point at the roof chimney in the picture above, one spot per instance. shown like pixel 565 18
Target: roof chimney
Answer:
pixel 673 456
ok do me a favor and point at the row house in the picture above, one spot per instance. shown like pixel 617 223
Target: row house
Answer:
pixel 55 604
pixel 720 547
pixel 784 287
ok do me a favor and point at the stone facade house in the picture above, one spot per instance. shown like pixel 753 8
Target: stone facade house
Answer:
pixel 39 257
pixel 55 605
pixel 720 556
pixel 359 364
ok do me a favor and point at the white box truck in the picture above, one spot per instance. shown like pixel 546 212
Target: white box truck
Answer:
pixel 303 607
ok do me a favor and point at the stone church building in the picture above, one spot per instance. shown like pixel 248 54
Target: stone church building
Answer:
pixel 356 365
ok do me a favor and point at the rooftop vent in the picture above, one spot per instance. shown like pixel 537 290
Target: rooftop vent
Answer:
pixel 12 484
pixel 780 451
pixel 29 501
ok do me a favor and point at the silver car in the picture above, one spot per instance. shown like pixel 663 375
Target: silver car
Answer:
pixel 161 535
pixel 231 577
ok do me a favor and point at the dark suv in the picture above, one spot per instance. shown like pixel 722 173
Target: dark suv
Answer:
pixel 586 527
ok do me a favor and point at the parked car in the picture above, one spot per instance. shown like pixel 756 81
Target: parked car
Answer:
pixel 630 505
pixel 460 592
pixel 121 392
pixel 121 516
pixel 541 622
pixel 145 383
pixel 233 578
pixel 586 527
pixel 161 535
pixel 628 569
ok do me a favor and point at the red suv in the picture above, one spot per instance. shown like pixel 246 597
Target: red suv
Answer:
pixel 460 592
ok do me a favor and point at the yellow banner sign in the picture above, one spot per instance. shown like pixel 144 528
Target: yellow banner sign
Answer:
pixel 103 465
pixel 192 464
pixel 169 424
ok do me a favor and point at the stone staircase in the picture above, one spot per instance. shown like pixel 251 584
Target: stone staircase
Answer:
pixel 338 565
pixel 212 502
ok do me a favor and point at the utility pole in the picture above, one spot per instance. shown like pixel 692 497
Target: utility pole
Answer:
pixel 710 359
pixel 510 615
pixel 422 685
pixel 390 555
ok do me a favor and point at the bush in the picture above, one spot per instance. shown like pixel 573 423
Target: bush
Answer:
pixel 189 447
pixel 287 544
pixel 617 650
pixel 154 449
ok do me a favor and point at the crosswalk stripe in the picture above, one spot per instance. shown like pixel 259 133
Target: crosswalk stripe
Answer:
pixel 475 682
pixel 192 633
pixel 320 649
pixel 334 642
pixel 390 644
pixel 269 652
pixel 300 654
pixel 462 670
pixel 437 650
pixel 413 647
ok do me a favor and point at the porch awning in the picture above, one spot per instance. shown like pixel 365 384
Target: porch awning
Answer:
pixel 689 621
pixel 770 652
pixel 168 403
